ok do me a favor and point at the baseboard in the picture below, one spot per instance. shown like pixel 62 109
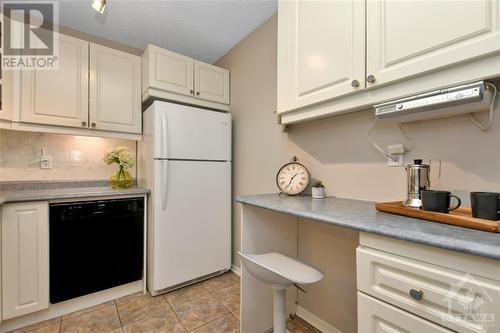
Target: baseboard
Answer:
pixel 72 305
pixel 315 321
pixel 236 270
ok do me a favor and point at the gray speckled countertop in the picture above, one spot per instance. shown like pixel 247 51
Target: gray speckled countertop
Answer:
pixel 55 190
pixel 362 216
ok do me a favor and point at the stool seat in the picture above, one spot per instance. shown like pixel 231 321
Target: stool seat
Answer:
pixel 277 269
pixel 279 272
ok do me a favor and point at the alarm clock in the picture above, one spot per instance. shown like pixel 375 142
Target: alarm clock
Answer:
pixel 292 178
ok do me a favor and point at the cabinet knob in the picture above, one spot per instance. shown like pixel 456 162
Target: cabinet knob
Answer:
pixel 355 83
pixel 84 123
pixel 197 93
pixel 370 78
pixel 191 92
pixel 93 124
pixel 416 294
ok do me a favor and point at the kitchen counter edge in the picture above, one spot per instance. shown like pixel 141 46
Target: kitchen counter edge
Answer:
pixel 67 193
pixel 362 216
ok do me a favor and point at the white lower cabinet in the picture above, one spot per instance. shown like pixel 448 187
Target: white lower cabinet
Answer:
pixel 415 285
pixel 25 258
pixel 375 316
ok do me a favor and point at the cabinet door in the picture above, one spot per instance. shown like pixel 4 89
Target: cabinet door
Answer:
pixel 6 97
pixel 169 71
pixel 25 258
pixel 115 90
pixel 321 51
pixel 211 83
pixel 375 316
pixel 455 299
pixel 58 97
pixel 409 38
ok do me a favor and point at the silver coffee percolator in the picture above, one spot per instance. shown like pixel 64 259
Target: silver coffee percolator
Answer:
pixel 418 179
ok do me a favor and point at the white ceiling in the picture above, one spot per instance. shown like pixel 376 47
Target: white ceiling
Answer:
pixel 202 29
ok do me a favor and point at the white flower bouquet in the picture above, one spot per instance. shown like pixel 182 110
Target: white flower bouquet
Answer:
pixel 125 159
pixel 121 156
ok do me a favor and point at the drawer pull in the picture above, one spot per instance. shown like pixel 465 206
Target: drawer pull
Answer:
pixel 416 294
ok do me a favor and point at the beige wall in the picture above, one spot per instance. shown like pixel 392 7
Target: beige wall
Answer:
pixel 259 146
pixel 336 150
pixel 74 157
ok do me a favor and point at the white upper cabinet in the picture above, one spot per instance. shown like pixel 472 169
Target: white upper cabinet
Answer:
pixel 321 51
pixel 95 90
pixel 167 70
pixel 211 83
pixel 171 76
pixel 410 38
pixel 6 95
pixel 58 97
pixel 412 47
pixel 25 258
pixel 115 90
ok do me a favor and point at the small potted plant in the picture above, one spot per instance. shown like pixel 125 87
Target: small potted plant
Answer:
pixel 318 190
pixel 124 158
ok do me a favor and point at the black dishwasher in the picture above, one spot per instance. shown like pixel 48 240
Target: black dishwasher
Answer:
pixel 95 245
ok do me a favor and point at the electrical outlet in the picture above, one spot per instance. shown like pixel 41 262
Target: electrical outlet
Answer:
pixel 45 162
pixel 396 160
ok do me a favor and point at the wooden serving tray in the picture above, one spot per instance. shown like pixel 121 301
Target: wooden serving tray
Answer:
pixel 461 216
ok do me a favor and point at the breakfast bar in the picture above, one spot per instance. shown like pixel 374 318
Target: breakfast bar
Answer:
pixel 394 250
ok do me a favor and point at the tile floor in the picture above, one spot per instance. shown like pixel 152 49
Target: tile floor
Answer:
pixel 211 306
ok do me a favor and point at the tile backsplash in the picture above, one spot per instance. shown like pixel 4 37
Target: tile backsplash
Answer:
pixel 73 157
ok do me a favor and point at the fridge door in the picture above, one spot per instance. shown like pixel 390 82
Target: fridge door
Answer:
pixel 185 132
pixel 191 221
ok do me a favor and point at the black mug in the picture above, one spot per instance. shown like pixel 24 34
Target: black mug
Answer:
pixel 485 205
pixel 438 201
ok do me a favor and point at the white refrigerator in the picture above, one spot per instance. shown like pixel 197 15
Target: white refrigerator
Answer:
pixel 185 159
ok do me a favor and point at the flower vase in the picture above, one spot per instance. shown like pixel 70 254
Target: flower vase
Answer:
pixel 121 179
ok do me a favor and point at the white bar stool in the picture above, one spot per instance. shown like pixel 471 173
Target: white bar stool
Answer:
pixel 279 272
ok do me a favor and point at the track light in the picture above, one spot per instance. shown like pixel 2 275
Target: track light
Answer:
pixel 99 5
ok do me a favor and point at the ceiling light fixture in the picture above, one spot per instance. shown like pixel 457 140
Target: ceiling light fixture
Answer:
pixel 99 5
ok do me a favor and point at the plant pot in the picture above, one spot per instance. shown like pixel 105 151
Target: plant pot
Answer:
pixel 121 179
pixel 318 192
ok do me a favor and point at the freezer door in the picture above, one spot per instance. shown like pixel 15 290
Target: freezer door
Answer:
pixel 184 132
pixel 191 221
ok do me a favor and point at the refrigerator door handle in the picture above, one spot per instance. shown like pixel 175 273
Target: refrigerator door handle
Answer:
pixel 164 143
pixel 164 175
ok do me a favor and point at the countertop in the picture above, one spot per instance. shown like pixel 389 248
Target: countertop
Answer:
pixel 362 216
pixel 55 190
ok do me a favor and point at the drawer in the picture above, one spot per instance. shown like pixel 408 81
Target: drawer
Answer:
pixel 455 299
pixel 375 316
